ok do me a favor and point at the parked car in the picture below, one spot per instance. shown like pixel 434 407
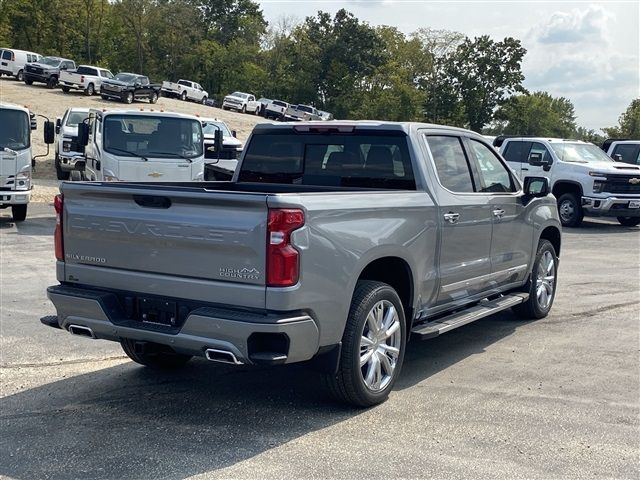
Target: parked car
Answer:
pixel 16 159
pixel 583 178
pixel 128 87
pixel 67 149
pixel 241 102
pixel 12 62
pixel 263 105
pixel 276 109
pixel 212 102
pixel 185 90
pixel 85 78
pixel 327 246
pixel 47 70
pixel 623 150
pixel 299 113
pixel 326 116
pixel 141 146
pixel 219 165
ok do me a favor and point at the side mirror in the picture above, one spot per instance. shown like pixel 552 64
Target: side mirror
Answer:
pixel 83 134
pixel 49 132
pixel 617 157
pixel 537 159
pixel 234 134
pixel 58 125
pixel 535 187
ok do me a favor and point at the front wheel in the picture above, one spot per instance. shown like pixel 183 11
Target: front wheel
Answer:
pixel 153 98
pixel 204 100
pixel 629 221
pixel 373 346
pixel 20 75
pixel 570 210
pixel 183 97
pixel 154 355
pixel 541 285
pixel 128 97
pixel 28 81
pixel 19 212
pixel 244 109
pixel 52 82
pixel 66 89
pixel 61 174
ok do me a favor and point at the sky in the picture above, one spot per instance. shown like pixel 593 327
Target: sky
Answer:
pixel 587 52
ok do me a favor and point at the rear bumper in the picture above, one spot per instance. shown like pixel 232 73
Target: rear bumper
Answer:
pixel 14 197
pixel 240 332
pixel 610 207
pixel 74 86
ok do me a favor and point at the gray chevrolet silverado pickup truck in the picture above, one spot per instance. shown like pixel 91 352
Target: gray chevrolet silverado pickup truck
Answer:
pixel 332 244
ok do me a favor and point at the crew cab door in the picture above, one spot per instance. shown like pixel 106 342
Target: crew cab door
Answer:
pixel 465 221
pixel 512 234
pixel 516 153
pixel 537 170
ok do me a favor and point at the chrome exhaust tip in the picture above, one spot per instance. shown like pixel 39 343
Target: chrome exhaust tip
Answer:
pixel 222 356
pixel 81 331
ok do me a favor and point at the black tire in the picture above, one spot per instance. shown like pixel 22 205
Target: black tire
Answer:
pixel 28 81
pixel 61 174
pixel 532 309
pixel 629 221
pixel 66 89
pixel 204 100
pixel 570 210
pixel 153 98
pixel 104 97
pixel 160 357
pixel 244 109
pixel 52 81
pixel 128 98
pixel 20 75
pixel 19 212
pixel 90 90
pixel 183 95
pixel 348 385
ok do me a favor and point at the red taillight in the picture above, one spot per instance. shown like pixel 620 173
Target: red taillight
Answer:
pixel 282 258
pixel 57 236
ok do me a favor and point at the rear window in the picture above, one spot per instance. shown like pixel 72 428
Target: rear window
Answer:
pixel 360 160
pixel 279 103
pixel 517 152
pixel 87 71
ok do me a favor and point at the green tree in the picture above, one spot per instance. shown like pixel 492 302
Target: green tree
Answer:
pixel 537 114
pixel 228 20
pixel 628 123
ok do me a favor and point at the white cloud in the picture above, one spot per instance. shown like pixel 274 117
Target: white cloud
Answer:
pixel 576 26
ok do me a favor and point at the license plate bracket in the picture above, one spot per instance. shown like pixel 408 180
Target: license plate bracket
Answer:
pixel 634 204
pixel 153 310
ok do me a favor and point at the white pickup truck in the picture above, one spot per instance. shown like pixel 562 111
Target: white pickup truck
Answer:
pixel 623 150
pixel 86 78
pixel 68 151
pixel 185 90
pixel 584 180
pixel 242 102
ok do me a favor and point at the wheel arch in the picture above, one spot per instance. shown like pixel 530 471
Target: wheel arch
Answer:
pixel 566 186
pixel 553 235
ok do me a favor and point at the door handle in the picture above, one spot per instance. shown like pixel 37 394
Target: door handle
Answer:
pixel 452 217
pixel 525 169
pixel 498 213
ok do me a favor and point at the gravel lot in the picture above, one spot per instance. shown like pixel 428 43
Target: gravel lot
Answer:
pixel 500 398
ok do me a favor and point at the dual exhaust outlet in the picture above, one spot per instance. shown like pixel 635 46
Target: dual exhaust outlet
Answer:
pixel 211 354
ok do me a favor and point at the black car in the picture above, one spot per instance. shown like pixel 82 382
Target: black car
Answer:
pixel 128 87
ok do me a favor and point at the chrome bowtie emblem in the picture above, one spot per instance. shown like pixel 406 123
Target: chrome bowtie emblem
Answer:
pixel 634 181
pixel 155 174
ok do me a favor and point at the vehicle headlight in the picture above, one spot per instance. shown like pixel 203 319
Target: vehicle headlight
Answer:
pixel 597 174
pixel 598 185
pixel 23 179
pixel 66 146
pixel 109 176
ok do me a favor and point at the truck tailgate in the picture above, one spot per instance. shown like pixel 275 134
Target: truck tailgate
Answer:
pixel 183 233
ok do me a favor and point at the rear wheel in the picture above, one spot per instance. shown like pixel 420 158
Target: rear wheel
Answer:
pixel 541 285
pixel 90 90
pixel 570 210
pixel 20 75
pixel 60 174
pixel 153 355
pixel 19 212
pixel 629 221
pixel 373 346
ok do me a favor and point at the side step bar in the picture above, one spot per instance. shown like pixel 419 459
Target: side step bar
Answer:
pixel 458 319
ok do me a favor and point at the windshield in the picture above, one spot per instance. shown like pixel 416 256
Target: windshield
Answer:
pixel 125 77
pixel 239 94
pixel 147 136
pixel 75 118
pixel 54 62
pixel 15 129
pixel 210 127
pixel 580 153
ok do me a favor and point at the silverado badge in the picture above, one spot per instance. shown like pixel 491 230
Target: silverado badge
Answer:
pixel 155 174
pixel 634 181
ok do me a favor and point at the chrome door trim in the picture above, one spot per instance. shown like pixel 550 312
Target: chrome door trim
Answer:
pixel 493 276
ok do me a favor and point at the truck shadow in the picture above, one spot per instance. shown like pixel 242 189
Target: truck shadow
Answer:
pixel 600 227
pixel 131 422
pixel 35 226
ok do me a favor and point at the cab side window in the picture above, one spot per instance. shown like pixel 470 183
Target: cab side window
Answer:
pixel 494 176
pixel 517 152
pixel 451 163
pixel 630 153
pixel 541 149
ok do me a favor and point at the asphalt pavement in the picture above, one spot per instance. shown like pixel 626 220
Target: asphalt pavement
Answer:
pixel 499 398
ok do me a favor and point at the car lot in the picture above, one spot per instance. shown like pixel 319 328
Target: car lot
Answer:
pixel 498 398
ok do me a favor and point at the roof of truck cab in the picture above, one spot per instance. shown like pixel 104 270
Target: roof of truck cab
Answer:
pixel 148 113
pixel 545 139
pixel 11 106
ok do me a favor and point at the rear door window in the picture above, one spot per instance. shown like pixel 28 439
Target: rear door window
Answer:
pixel 630 153
pixel 452 165
pixel 360 160
pixel 6 55
pixel 517 152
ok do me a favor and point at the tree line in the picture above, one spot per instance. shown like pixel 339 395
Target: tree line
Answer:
pixel 337 63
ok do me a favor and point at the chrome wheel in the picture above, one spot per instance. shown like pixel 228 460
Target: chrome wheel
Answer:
pixel 545 280
pixel 567 211
pixel 380 345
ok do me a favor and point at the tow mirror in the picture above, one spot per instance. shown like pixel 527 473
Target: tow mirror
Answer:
pixel 617 157
pixel 537 159
pixel 535 187
pixel 49 132
pixel 218 141
pixel 58 125
pixel 83 133
pixel 234 134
